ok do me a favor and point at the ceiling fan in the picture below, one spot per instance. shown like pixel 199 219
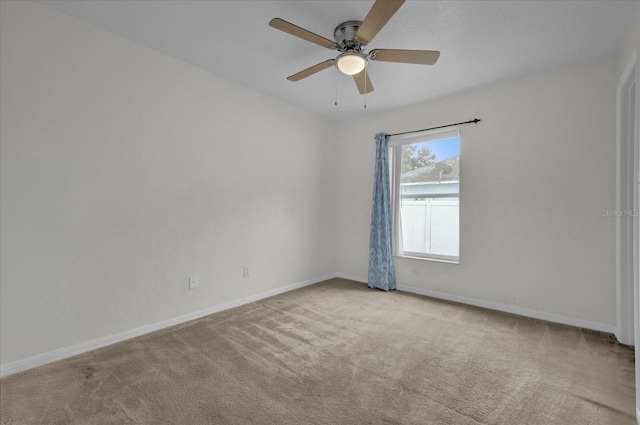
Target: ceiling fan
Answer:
pixel 351 37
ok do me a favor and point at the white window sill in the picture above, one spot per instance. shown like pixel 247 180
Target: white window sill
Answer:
pixel 437 260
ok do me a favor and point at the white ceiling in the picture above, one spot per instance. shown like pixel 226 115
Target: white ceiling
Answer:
pixel 481 42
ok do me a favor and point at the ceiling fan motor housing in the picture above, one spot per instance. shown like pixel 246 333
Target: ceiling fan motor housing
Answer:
pixel 345 36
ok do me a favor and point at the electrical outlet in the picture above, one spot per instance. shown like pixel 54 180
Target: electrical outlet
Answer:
pixel 246 272
pixel 193 282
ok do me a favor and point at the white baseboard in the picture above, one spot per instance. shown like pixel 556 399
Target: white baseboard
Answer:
pixel 83 347
pixel 521 311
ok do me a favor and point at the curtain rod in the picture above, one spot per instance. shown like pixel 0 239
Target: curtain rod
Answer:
pixel 475 121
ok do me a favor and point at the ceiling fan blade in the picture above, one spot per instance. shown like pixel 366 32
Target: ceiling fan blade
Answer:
pixel 421 57
pixel 311 70
pixel 377 17
pixel 302 33
pixel 363 82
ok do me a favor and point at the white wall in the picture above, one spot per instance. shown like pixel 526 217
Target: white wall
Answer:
pixel 631 41
pixel 124 171
pixel 630 47
pixel 536 174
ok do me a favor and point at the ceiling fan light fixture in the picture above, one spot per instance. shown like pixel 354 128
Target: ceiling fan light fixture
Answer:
pixel 351 63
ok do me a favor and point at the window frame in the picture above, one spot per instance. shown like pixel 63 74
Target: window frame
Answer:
pixel 395 166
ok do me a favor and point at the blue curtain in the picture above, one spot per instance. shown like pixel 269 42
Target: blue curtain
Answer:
pixel 381 274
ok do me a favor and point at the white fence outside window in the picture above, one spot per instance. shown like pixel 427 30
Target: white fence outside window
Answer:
pixel 430 225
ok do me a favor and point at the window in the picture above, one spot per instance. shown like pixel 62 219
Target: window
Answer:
pixel 425 179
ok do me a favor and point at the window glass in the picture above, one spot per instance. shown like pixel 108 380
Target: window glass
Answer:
pixel 426 187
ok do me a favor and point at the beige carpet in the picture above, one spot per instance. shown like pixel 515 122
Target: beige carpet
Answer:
pixel 338 353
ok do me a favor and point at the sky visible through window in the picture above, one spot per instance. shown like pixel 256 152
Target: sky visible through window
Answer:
pixel 443 148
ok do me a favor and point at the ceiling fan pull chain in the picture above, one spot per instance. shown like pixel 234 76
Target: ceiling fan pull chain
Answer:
pixel 336 81
pixel 365 88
